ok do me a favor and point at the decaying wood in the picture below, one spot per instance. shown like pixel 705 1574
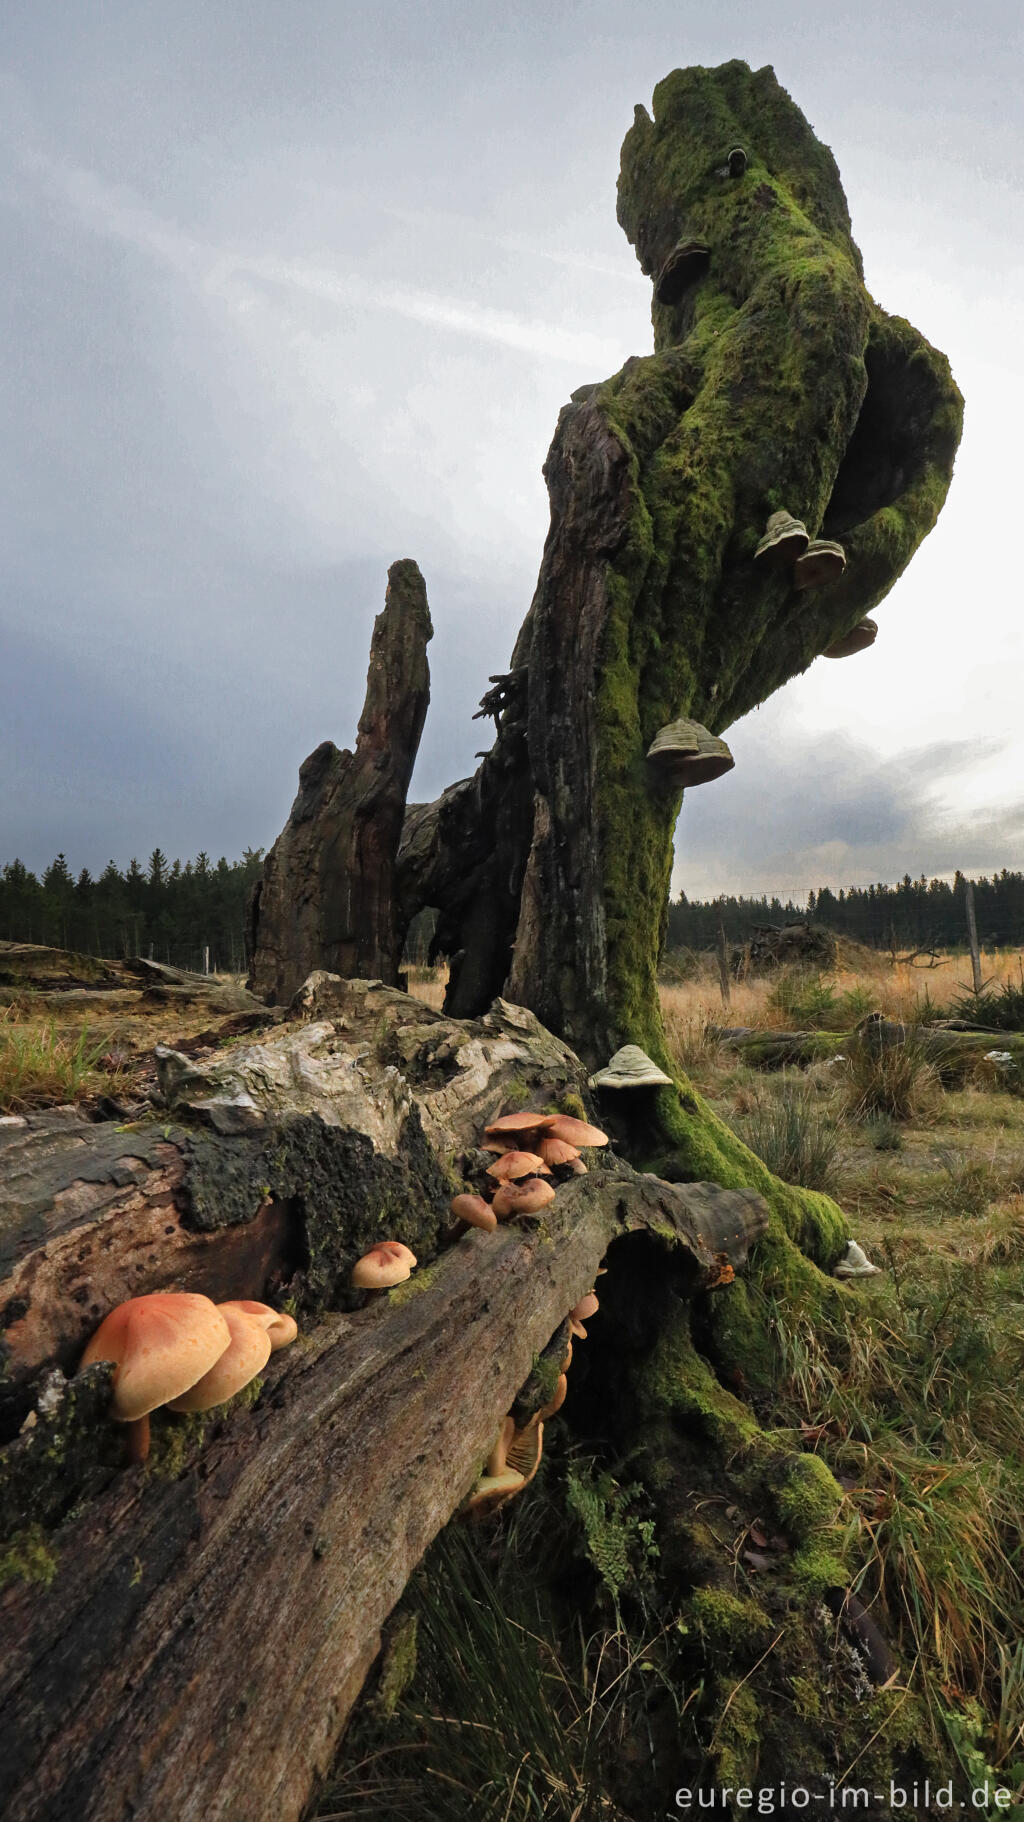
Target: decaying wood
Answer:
pixel 951 1044
pixel 327 896
pixel 211 1618
pixel 88 1219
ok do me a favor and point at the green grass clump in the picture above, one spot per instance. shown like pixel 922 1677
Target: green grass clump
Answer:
pixel 507 1720
pixel 898 1080
pixel 38 1067
pixel 792 1135
pixel 913 1401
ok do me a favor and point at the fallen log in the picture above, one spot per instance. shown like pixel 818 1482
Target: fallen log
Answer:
pixel 952 1050
pixel 219 1609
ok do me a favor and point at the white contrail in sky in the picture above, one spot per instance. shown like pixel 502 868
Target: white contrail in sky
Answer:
pixel 114 211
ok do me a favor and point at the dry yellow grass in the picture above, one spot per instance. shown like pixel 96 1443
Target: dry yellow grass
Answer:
pixel 691 1006
pixel 427 984
pixel 900 993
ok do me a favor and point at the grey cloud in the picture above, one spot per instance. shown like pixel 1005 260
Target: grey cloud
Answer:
pixel 801 811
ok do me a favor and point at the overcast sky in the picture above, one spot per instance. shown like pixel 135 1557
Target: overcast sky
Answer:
pixel 290 290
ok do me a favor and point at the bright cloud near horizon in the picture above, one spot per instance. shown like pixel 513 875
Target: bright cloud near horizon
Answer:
pixel 290 293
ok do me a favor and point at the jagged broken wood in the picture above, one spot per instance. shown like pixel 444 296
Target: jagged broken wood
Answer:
pixel 327 897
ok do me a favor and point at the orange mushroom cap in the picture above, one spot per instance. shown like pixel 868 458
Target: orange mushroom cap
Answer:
pixel 557 1151
pixel 475 1210
pixel 557 1399
pixel 161 1344
pixel 387 1263
pixel 587 1306
pixel 246 1355
pixel 281 1327
pixel 518 1122
pixel 525 1198
pixel 517 1164
pixel 575 1132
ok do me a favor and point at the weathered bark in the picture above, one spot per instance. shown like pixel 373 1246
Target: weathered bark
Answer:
pixel 327 896
pixel 209 1621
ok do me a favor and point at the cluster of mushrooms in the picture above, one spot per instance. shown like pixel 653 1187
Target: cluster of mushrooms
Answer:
pixel 516 1451
pixel 530 1148
pixel 183 1351
pixel 521 1185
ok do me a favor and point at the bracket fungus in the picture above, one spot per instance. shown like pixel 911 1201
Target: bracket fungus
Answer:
pixel 689 754
pixel 784 540
pixel 687 262
pixel 856 1264
pixel 160 1344
pixel 630 1067
pixel 387 1263
pixel 859 639
pixel 823 561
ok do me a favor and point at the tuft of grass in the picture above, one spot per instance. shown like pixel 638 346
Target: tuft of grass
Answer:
pixel 38 1067
pixel 691 1039
pixel 883 1132
pixel 793 1135
pixel 899 1081
pixel 968 1187
pixel 505 1721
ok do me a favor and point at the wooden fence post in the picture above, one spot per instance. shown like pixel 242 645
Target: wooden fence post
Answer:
pixel 972 935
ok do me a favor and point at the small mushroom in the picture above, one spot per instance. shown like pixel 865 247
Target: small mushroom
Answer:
pixel 576 1132
pixel 784 540
pixel 512 1123
pixel 822 561
pixel 688 753
pixel 527 1197
pixel 557 1399
pixel 857 640
pixel 513 1164
pixel 630 1067
pixel 246 1355
pixel 525 1450
pixel 558 1151
pixel 281 1327
pixel 687 262
pixel 587 1306
pixel 387 1263
pixel 491 1490
pixel 475 1211
pixel 497 1458
pixel 160 1344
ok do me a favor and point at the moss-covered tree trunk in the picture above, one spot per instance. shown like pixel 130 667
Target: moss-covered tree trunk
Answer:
pixel 776 383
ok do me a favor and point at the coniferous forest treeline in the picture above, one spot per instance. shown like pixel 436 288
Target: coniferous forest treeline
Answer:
pixel 915 914
pixel 177 912
pixel 169 911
